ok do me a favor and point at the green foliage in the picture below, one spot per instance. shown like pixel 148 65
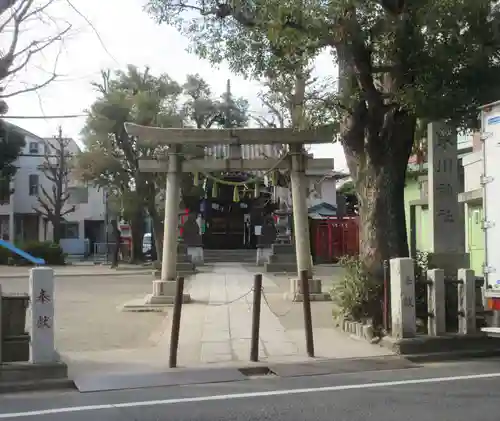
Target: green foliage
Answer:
pixel 421 263
pixel 356 294
pixel 449 48
pixel 279 99
pixel 52 254
pixel 11 145
pixel 111 158
pixel 203 111
pixel 347 188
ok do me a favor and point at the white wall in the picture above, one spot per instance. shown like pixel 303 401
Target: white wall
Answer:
pixel 321 190
pixel 473 169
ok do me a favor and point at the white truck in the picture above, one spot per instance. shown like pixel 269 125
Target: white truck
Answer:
pixel 490 181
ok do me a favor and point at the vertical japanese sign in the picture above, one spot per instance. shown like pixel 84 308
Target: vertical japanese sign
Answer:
pixel 446 225
pixel 41 286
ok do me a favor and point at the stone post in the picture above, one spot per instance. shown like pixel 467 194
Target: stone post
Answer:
pixel 436 302
pixel 171 221
pixel 466 302
pixel 404 320
pixel 42 323
pixel 299 206
pixel 301 230
pixel 164 289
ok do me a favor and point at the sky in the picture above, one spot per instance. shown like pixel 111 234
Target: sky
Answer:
pixel 127 36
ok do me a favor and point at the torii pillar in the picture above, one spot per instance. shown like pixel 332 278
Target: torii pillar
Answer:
pixel 164 288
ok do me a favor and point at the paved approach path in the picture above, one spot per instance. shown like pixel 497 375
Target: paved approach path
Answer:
pixel 216 328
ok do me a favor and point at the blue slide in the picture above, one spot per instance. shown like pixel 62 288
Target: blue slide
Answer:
pixel 19 252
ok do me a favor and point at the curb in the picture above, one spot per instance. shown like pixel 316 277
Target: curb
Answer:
pixel 452 356
pixel 37 386
pixel 238 372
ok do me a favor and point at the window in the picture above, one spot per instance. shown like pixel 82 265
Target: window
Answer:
pixel 33 187
pixel 78 195
pixel 34 147
pixel 69 230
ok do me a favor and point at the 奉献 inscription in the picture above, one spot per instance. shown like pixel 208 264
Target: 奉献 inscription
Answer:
pixel 43 322
pixel 408 302
pixel 43 297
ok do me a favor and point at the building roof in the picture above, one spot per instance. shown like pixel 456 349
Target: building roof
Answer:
pixel 21 130
pixel 322 210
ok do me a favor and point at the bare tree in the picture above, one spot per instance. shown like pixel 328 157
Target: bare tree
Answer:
pixel 56 168
pixel 22 26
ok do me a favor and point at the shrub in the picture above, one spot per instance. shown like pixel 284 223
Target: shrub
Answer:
pixel 356 296
pixel 421 266
pixel 50 252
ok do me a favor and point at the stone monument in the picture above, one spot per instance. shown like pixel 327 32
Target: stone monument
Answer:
pixel 283 253
pixel 446 215
pixel 193 240
pixel 265 241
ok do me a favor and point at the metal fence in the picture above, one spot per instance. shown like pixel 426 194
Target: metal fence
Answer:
pixel 104 251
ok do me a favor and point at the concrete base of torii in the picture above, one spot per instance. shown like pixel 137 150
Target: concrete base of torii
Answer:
pixel 315 291
pixel 163 297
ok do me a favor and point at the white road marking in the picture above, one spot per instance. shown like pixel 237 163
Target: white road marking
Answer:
pixel 213 398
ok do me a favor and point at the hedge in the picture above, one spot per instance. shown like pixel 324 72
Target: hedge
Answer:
pixel 52 253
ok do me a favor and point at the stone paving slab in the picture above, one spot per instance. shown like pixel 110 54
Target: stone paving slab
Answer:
pixel 107 382
pixel 213 333
pixel 341 366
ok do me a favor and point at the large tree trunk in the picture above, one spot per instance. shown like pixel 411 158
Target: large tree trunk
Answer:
pixel 157 223
pixel 137 228
pixel 377 147
pixel 56 230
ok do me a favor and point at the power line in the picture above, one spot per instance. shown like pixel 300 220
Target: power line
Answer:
pixel 43 117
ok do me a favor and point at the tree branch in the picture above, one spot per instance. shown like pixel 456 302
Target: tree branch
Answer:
pixel 68 211
pixel 394 7
pixel 24 11
pixel 360 56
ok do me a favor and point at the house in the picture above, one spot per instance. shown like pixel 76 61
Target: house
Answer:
pixel 472 200
pixel 322 192
pixel 19 222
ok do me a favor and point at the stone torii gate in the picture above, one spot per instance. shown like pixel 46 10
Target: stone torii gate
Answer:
pixel 296 161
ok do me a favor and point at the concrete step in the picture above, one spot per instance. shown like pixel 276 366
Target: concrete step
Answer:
pixel 27 372
pixel 238 256
pixel 36 385
pixel 283 248
pixel 183 269
pixel 281 267
pixel 285 258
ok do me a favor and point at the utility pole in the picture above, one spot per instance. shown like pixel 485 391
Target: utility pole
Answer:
pixel 106 224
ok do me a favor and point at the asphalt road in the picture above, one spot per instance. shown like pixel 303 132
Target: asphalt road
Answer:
pixel 466 391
